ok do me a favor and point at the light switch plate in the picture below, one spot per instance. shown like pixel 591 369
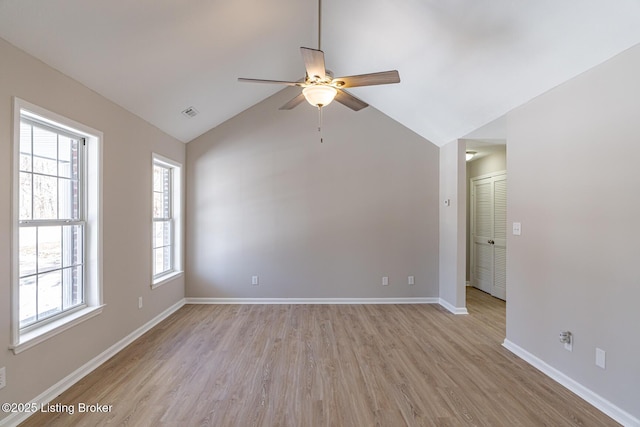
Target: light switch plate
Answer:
pixel 601 358
pixel 517 228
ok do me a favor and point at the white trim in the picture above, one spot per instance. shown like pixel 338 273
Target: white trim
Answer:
pixel 166 278
pixel 159 158
pixel 15 216
pixel 618 414
pixel 43 333
pixel 62 385
pixel 409 300
pixel 453 309
pixel 488 175
pixel 92 178
pixel 177 216
pixel 55 119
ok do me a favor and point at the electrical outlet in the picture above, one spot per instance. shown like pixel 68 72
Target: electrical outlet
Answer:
pixel 3 377
pixel 566 338
pixel 411 280
pixel 139 302
pixel 385 281
pixel 254 280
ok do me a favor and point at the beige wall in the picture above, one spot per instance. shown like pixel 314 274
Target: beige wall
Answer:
pixel 313 220
pixel 127 147
pixel 573 184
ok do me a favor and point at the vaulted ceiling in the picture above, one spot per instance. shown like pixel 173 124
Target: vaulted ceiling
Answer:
pixel 463 63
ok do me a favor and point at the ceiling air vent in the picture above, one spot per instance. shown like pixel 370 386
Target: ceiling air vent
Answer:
pixel 190 112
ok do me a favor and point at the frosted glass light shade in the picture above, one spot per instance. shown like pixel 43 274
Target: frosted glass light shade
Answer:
pixel 319 95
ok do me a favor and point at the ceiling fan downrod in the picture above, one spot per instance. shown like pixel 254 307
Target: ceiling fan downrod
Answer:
pixel 320 48
pixel 319 23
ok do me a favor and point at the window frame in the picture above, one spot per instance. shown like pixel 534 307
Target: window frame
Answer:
pixel 91 198
pixel 38 223
pixel 176 220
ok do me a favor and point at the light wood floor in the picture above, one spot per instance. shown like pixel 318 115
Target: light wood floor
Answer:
pixel 325 365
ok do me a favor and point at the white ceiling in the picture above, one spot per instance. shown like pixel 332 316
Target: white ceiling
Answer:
pixel 463 63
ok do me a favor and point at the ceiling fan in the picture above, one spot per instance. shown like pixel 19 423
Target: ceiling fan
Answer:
pixel 319 87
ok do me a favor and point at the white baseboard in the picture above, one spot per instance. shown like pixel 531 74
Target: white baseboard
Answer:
pixel 409 300
pixel 452 308
pixel 618 414
pixel 62 385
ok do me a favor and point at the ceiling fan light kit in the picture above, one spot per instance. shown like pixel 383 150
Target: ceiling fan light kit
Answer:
pixel 319 95
pixel 319 87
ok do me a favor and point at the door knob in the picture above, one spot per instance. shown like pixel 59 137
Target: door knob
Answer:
pixel 491 242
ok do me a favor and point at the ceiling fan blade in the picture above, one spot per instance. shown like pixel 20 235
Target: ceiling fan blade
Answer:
pixel 346 99
pixel 293 103
pixel 313 62
pixel 279 82
pixel 381 78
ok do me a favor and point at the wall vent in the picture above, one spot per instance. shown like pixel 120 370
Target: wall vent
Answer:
pixel 190 112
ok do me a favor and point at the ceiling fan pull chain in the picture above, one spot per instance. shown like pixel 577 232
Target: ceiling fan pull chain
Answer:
pixel 320 122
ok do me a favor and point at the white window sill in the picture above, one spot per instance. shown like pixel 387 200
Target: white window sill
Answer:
pixel 166 278
pixel 43 333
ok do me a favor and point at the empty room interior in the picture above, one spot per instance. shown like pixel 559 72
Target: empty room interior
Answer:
pixel 319 213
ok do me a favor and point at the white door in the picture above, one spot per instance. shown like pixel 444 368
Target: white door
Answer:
pixel 489 234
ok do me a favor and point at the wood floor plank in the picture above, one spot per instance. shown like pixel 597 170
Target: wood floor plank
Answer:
pixel 324 365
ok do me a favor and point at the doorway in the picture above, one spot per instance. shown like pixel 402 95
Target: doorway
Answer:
pixel 486 233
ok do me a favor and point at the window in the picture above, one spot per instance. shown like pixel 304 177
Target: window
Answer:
pixel 56 224
pixel 166 227
pixel 51 250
